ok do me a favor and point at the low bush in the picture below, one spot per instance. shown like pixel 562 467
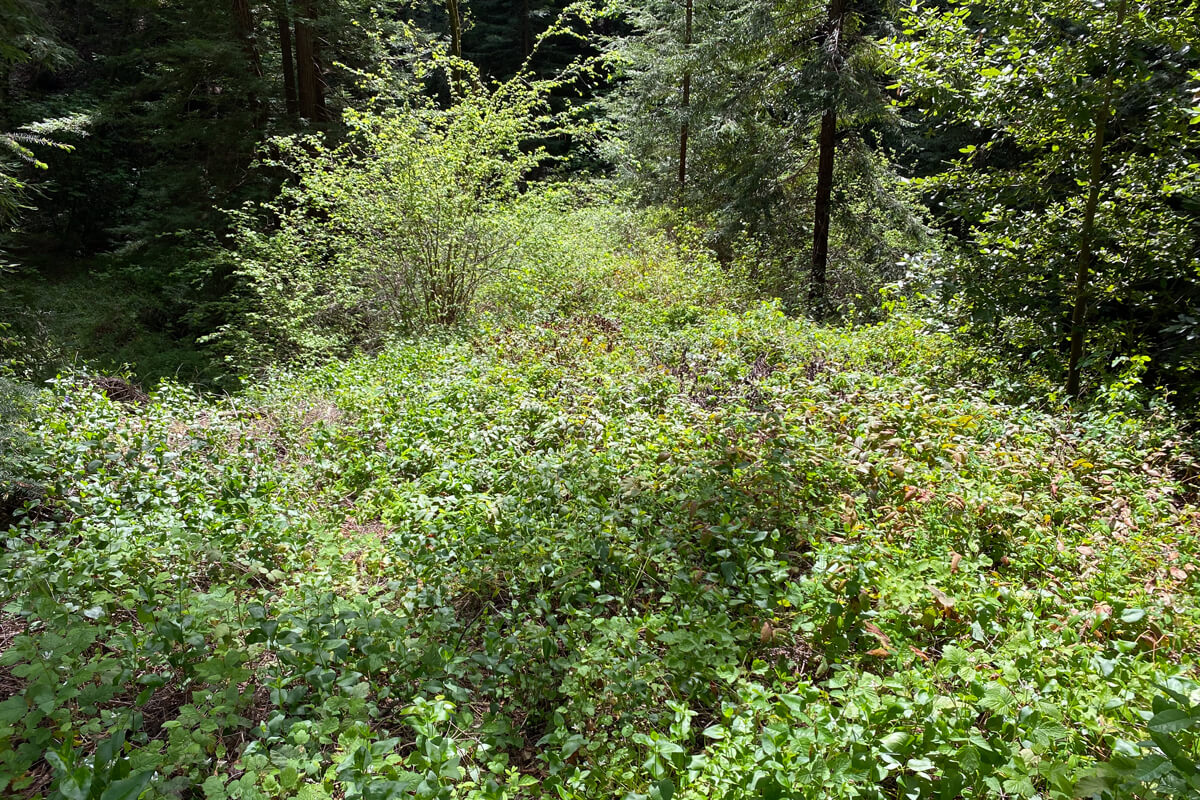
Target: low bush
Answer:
pixel 387 234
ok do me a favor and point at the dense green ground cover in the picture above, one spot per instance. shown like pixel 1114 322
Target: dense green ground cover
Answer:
pixel 632 535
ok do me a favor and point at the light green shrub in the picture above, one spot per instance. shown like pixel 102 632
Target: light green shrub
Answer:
pixel 391 233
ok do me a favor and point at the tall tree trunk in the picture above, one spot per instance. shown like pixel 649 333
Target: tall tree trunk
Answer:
pixel 318 73
pixel 285 57
pixel 452 12
pixel 687 101
pixel 455 28
pixel 826 147
pixel 1087 227
pixel 826 144
pixel 308 68
pixel 243 22
pixel 305 71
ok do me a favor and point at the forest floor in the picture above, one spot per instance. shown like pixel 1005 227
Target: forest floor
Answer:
pixel 657 541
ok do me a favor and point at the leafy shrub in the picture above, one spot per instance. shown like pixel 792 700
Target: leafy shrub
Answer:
pixel 390 233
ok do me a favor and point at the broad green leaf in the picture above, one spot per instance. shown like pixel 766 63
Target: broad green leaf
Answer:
pixel 1171 720
pixel 130 788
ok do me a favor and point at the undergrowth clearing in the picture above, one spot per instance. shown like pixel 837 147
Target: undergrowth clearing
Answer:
pixel 630 536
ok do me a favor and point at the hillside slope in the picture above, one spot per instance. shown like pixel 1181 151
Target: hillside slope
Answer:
pixel 660 543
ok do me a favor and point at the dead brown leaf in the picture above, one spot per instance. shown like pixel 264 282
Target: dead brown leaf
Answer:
pixel 873 629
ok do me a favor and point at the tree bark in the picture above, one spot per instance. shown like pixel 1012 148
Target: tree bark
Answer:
pixel 308 67
pixel 305 72
pixel 826 149
pixel 243 21
pixel 286 59
pixel 1087 227
pixel 826 145
pixel 686 102
pixel 318 73
pixel 455 28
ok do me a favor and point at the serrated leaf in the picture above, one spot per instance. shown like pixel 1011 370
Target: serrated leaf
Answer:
pixel 1098 784
pixel 214 788
pixel 1176 696
pixel 312 791
pixel 12 710
pixel 997 698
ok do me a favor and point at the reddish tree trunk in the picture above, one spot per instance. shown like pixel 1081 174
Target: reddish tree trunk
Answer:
pixel 308 66
pixel 243 22
pixel 286 59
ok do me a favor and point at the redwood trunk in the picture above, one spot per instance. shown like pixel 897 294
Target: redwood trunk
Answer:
pixel 286 59
pixel 455 28
pixel 243 22
pixel 318 76
pixel 308 67
pixel 826 144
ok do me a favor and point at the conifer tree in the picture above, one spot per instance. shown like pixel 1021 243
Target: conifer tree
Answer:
pixel 748 117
